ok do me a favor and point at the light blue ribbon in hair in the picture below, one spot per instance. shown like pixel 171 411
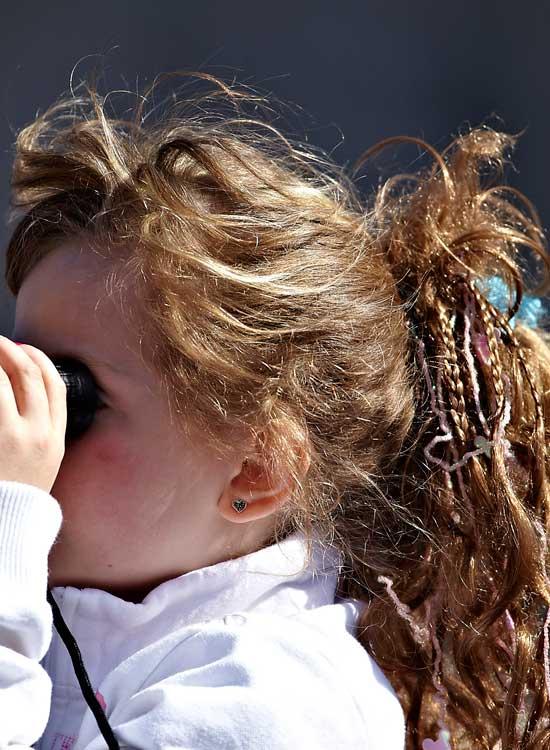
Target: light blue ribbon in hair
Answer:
pixel 531 310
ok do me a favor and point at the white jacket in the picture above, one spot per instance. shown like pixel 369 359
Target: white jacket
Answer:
pixel 247 654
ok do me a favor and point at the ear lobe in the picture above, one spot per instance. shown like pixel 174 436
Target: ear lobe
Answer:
pixel 262 498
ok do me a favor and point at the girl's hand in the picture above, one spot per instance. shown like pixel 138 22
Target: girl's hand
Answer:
pixel 33 415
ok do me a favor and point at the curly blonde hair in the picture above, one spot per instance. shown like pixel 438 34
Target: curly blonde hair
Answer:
pixel 278 299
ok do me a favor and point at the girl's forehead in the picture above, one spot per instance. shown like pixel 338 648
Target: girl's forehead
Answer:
pixel 72 264
pixel 59 291
pixel 64 307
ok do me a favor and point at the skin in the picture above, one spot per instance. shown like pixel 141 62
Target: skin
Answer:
pixel 141 504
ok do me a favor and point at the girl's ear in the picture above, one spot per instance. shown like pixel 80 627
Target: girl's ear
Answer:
pixel 258 489
pixel 252 484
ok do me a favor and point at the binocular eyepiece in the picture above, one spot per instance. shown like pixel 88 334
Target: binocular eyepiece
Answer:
pixel 82 395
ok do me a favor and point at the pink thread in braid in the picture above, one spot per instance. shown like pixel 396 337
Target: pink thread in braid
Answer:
pixel 438 410
pixel 442 696
pixel 447 436
pixel 507 413
pixel 484 445
pixel 419 633
pixel 510 626
pixel 546 626
pixel 422 637
pixel 481 347
pixel 442 743
pixel 546 650
pixel 457 465
pixel 469 316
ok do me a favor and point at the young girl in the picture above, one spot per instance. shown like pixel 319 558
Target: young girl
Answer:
pixel 312 506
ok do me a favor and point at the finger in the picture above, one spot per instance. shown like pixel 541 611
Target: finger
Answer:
pixel 8 404
pixel 31 400
pixel 54 384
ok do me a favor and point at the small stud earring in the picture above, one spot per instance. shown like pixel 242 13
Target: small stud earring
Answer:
pixel 239 505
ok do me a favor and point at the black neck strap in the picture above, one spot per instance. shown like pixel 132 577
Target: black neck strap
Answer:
pixel 82 675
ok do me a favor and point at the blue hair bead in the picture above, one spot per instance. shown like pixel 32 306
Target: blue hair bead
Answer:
pixel 531 310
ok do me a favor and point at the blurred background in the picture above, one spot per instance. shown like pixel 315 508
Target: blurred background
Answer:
pixel 354 72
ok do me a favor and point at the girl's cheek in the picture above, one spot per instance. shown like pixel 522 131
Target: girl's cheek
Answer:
pixel 111 454
pixel 98 451
pixel 106 450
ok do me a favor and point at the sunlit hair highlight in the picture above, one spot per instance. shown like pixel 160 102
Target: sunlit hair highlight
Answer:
pixel 279 302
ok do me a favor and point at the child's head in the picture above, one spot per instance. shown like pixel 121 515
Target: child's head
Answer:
pixel 330 364
pixel 208 268
pixel 141 501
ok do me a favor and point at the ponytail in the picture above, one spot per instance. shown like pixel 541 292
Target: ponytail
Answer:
pixel 472 664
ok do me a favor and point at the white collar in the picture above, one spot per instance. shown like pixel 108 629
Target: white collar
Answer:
pixel 272 579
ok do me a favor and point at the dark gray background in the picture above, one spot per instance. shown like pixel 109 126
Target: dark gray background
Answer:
pixel 361 71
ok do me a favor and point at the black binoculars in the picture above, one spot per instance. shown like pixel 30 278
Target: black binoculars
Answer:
pixel 82 395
